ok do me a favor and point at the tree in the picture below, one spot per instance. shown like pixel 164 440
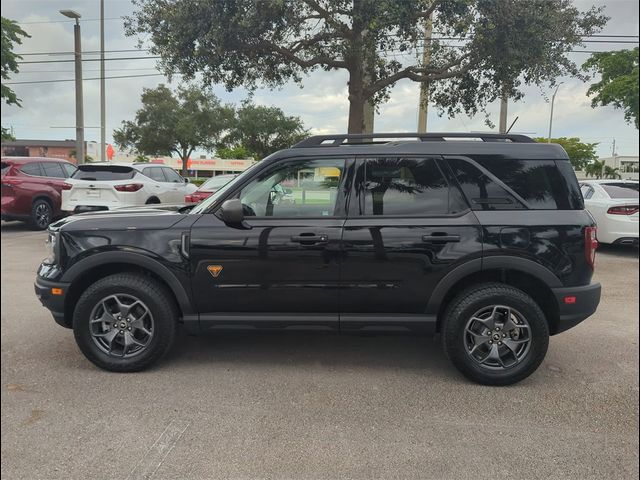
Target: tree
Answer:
pixel 180 123
pixel 504 44
pixel 618 85
pixel 238 151
pixel 11 34
pixel 611 172
pixel 580 153
pixel 261 130
pixel 594 169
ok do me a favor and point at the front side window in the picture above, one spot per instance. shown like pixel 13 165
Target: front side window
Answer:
pixel 172 175
pixel 401 186
pixel 304 188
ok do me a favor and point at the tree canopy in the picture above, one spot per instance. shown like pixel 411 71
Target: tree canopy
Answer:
pixel 177 123
pixel 618 85
pixel 481 49
pixel 12 35
pixel 261 130
pixel 580 153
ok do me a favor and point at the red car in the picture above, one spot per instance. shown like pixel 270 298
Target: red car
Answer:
pixel 207 188
pixel 31 189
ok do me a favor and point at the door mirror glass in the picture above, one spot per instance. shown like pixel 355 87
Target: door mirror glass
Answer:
pixel 232 212
pixel 186 180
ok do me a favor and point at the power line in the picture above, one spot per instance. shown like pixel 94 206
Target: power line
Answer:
pixel 88 52
pixel 92 78
pixel 88 60
pixel 67 21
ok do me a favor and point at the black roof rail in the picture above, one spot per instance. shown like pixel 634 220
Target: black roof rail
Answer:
pixel 370 138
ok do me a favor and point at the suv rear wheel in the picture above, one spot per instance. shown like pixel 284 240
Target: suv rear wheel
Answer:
pixel 495 334
pixel 41 214
pixel 125 322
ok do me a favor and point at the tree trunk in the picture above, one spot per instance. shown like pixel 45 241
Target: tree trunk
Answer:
pixel 356 103
pixel 185 161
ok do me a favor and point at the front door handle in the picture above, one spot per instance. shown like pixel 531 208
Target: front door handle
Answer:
pixel 440 238
pixel 310 239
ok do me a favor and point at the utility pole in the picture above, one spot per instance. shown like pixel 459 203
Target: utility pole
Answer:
pixel 79 101
pixel 423 104
pixel 553 101
pixel 103 132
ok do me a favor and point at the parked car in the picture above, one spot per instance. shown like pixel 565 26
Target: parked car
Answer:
pixel 106 186
pixel 210 186
pixel 31 189
pixel 485 242
pixel 614 205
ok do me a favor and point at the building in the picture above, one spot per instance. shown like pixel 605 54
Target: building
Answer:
pixel 625 164
pixel 47 148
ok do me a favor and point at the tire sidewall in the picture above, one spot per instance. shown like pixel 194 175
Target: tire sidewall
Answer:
pixel 163 318
pixel 463 308
pixel 34 219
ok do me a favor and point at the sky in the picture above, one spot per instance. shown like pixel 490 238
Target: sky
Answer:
pixel 48 109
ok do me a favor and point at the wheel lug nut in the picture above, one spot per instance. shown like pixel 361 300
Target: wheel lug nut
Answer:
pixel 504 335
pixel 490 341
pixel 129 328
pixel 499 343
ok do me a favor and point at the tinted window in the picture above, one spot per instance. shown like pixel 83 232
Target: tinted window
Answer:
pixel 103 172
pixel 587 192
pixel 69 169
pixel 154 173
pixel 305 188
pixel 402 186
pixel 482 192
pixel 31 169
pixel 4 168
pixel 53 169
pixel 172 175
pixel 215 183
pixel 621 190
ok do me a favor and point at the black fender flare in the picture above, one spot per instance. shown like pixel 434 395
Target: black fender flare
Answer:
pixel 139 260
pixel 497 262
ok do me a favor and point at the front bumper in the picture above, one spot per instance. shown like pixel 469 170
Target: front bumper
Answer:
pixel 575 304
pixel 54 302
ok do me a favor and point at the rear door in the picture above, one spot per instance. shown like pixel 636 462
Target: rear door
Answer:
pixel 176 185
pixel 407 227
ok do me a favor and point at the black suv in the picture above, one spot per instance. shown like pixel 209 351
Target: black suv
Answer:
pixel 481 238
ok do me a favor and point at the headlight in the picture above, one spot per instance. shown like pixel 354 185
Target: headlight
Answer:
pixel 52 248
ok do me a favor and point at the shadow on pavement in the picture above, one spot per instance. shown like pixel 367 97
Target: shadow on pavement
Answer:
pixel 16 227
pixel 621 251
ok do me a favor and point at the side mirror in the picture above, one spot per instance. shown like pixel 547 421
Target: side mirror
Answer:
pixel 186 180
pixel 232 213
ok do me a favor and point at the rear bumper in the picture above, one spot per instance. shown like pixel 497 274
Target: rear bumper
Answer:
pixel 55 303
pixel 585 304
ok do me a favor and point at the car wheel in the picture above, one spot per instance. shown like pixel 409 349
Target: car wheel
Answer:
pixel 495 334
pixel 125 322
pixel 41 214
pixel 152 201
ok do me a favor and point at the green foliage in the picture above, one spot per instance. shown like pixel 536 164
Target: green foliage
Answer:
pixel 618 85
pixel 505 44
pixel 177 123
pixel 7 136
pixel 141 159
pixel 11 35
pixel 580 153
pixel 610 172
pixel 197 181
pixel 594 169
pixel 259 131
pixel 238 151
pixel 87 158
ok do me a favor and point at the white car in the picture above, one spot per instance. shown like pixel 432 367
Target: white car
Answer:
pixel 614 205
pixel 105 186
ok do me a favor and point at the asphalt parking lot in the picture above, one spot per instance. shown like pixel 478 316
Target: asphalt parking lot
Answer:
pixel 305 406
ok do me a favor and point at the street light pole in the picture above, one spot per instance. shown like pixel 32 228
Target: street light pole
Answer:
pixel 553 99
pixel 103 135
pixel 80 154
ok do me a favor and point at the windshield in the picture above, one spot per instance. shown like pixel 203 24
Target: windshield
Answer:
pixel 621 190
pixel 209 201
pixel 214 183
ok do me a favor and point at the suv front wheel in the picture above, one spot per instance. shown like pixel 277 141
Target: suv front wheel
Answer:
pixel 125 322
pixel 495 334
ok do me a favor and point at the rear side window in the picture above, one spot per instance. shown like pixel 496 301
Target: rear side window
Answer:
pixel 621 190
pixel 154 173
pixel 53 169
pixel 69 169
pixel 511 184
pixel 103 172
pixel 4 167
pixel 402 187
pixel 32 169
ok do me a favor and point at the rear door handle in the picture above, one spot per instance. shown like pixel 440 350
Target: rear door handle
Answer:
pixel 440 238
pixel 310 239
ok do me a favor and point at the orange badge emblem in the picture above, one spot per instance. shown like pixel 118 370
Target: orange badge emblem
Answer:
pixel 214 270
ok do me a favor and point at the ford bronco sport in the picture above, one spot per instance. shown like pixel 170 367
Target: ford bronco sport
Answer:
pixel 482 239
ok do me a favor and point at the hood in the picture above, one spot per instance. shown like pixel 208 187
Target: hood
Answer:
pixel 144 217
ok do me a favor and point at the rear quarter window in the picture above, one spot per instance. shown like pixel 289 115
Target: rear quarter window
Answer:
pixel 512 184
pixel 103 173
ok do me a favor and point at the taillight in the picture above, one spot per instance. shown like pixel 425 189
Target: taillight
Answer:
pixel 66 186
pixel 623 210
pixel 590 245
pixel 188 199
pixel 129 187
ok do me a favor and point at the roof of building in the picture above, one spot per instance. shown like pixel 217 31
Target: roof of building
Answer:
pixel 40 143
pixel 33 159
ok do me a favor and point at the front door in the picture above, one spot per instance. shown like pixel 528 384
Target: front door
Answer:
pixel 407 227
pixel 282 270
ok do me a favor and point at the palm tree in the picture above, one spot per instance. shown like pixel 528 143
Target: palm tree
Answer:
pixel 594 169
pixel 610 172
